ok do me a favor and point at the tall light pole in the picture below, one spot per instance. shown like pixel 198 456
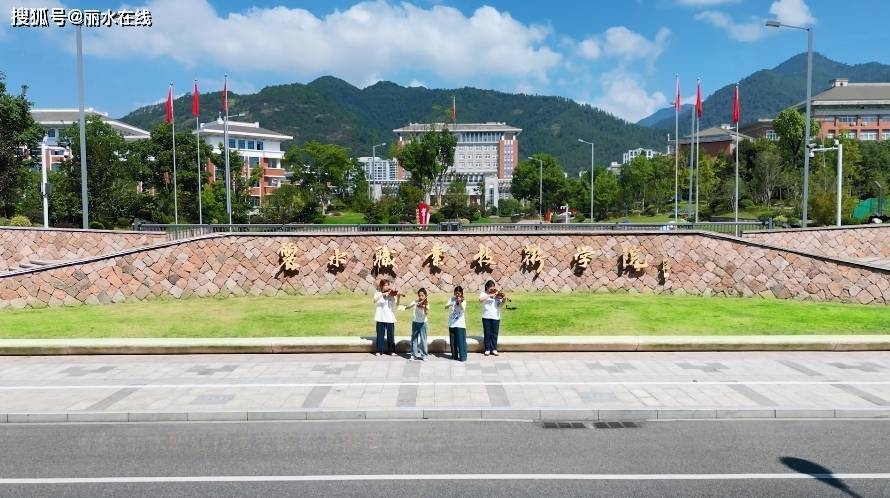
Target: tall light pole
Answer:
pixel 84 203
pixel 373 165
pixel 540 188
pixel 806 152
pixel 592 150
pixel 839 147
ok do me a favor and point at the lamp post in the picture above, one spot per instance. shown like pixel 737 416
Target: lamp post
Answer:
pixel 540 188
pixel 806 155
pixel 84 203
pixel 591 174
pixel 839 147
pixel 373 165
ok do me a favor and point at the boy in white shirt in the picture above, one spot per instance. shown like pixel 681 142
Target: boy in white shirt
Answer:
pixel 491 316
pixel 418 325
pixel 385 303
pixel 457 324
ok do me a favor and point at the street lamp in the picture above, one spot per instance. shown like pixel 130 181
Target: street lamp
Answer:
pixel 540 188
pixel 373 165
pixel 839 147
pixel 806 155
pixel 591 174
pixel 84 202
pixel 225 123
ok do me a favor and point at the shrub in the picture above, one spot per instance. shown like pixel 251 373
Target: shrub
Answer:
pixel 4 222
pixel 746 204
pixel 436 218
pixel 19 221
pixel 97 225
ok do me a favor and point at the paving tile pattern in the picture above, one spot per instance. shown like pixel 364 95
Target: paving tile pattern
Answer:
pixel 249 265
pixel 19 245
pixel 754 381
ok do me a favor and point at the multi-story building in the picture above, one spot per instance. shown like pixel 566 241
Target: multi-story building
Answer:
pixel 634 153
pixel 55 121
pixel 484 157
pixel 856 110
pixel 716 140
pixel 382 175
pixel 762 128
pixel 258 147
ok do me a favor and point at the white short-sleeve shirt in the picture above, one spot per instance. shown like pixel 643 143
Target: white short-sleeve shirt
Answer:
pixel 385 308
pixel 419 314
pixel 491 307
pixel 457 314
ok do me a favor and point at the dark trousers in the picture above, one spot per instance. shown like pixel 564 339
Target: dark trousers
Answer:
pixel 458 337
pixel 490 329
pixel 388 330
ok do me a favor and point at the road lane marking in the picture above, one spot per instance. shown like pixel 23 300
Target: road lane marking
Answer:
pixel 449 383
pixel 440 477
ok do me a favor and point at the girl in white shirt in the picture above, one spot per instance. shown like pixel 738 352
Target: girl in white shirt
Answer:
pixel 385 303
pixel 457 324
pixel 418 325
pixel 491 317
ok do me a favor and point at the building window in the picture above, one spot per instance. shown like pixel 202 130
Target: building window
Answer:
pixel 868 135
pixel 232 143
pixel 242 144
pixel 771 135
pixel 259 145
pixel 251 145
pixel 253 162
pixel 851 135
pixel 885 135
pixel 830 135
pixel 847 120
pixel 869 119
pixel 273 163
pixel 51 133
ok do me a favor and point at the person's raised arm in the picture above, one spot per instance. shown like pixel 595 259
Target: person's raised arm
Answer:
pixel 378 297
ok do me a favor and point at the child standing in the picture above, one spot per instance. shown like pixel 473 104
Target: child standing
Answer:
pixel 491 301
pixel 385 300
pixel 457 324
pixel 418 325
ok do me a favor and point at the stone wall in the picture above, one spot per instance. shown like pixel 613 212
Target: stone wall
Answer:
pixel 856 242
pixel 19 245
pixel 700 264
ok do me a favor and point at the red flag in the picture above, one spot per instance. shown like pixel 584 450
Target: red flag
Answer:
pixel 677 99
pixel 195 101
pixel 735 106
pixel 169 118
pixel 453 109
pixel 226 95
pixel 698 106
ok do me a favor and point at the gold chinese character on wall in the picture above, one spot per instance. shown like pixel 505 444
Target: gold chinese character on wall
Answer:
pixel 483 260
pixel 665 269
pixel 532 258
pixel 435 257
pixel 582 258
pixel 633 260
pixel 288 254
pixel 383 260
pixel 337 260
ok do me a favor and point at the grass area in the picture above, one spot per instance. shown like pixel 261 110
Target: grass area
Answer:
pixel 638 218
pixel 534 314
pixel 344 218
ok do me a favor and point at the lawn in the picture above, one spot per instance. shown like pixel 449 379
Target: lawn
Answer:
pixel 344 218
pixel 533 314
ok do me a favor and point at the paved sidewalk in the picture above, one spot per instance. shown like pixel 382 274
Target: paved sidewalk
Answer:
pixel 550 386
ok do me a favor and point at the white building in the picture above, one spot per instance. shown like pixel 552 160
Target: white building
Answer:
pixel 56 121
pixel 634 153
pixel 484 157
pixel 258 147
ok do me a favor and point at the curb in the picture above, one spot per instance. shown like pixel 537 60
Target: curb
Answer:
pixel 553 344
pixel 519 414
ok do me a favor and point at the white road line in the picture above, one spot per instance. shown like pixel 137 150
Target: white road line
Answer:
pixel 448 383
pixel 440 477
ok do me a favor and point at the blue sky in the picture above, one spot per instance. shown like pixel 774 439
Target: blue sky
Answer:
pixel 620 56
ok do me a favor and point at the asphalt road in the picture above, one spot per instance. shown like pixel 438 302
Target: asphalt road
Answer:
pixel 460 458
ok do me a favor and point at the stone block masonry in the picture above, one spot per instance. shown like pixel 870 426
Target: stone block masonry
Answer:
pixel 21 245
pixel 856 242
pixel 248 264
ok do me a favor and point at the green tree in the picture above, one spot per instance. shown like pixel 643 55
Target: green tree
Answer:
pixel 525 184
pixel 18 131
pixel 284 205
pixel 320 169
pixel 428 159
pixel 606 192
pixel 789 126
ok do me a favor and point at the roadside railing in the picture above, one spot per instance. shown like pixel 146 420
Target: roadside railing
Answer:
pixel 184 231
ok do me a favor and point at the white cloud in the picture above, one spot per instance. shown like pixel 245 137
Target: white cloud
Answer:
pixel 793 12
pixel 624 43
pixel 625 96
pixel 589 49
pixel 704 3
pixel 417 84
pixel 744 32
pixel 358 44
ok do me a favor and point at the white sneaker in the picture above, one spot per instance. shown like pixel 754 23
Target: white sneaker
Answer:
pixel 494 352
pixel 411 358
pixel 486 353
pixel 376 354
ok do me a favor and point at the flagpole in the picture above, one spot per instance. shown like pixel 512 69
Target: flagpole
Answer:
pixel 226 149
pixel 691 151
pixel 738 122
pixel 676 157
pixel 697 152
pixel 198 149
pixel 173 128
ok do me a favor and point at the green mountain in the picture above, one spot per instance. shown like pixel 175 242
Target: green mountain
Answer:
pixel 768 91
pixel 331 110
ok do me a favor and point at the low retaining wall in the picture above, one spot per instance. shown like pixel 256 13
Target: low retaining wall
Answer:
pixel 856 242
pixel 230 264
pixel 19 245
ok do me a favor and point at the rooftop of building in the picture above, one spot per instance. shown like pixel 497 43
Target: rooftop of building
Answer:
pixel 458 127
pixel 722 133
pixel 242 128
pixel 67 117
pixel 844 92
